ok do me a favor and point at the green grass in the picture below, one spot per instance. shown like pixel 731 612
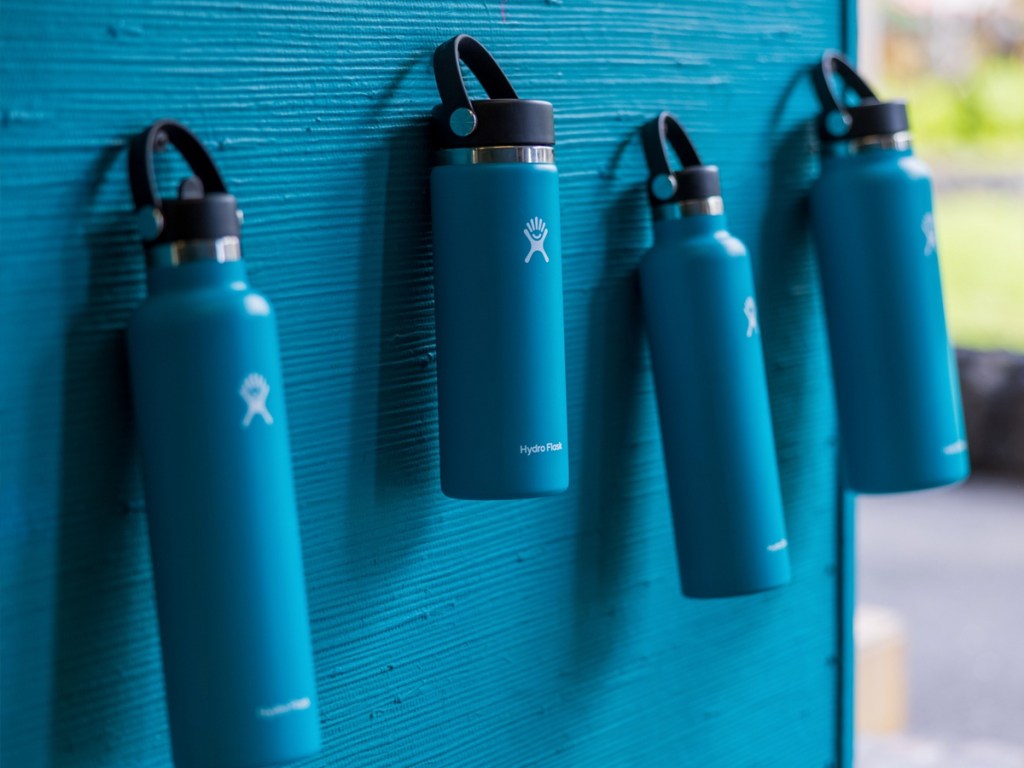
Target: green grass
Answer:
pixel 981 251
pixel 971 129
pixel 983 112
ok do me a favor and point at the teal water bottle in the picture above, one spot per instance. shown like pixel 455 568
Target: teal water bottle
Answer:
pixel 502 415
pixel 709 375
pixel 210 411
pixel 897 389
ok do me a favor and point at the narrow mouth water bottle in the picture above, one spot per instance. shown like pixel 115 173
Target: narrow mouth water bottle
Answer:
pixel 709 375
pixel 896 383
pixel 498 286
pixel 224 535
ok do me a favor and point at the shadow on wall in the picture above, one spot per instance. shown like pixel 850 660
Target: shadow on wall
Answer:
pixel 389 479
pixel 406 375
pixel 102 546
pixel 786 277
pixel 614 367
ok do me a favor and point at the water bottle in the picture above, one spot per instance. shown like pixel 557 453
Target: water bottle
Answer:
pixel 897 389
pixel 709 375
pixel 497 286
pixel 209 404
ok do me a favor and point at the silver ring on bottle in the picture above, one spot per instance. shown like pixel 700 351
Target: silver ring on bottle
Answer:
pixel 899 141
pixel 221 250
pixel 701 206
pixel 482 155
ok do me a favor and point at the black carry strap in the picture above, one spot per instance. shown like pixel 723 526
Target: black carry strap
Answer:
pixel 140 161
pixel 501 120
pixel 834 63
pixel 694 181
pixel 869 116
pixel 655 135
pixel 203 209
pixel 448 58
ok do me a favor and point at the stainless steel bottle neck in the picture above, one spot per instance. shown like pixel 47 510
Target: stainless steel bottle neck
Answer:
pixel 704 206
pixel 481 155
pixel 896 141
pixel 173 254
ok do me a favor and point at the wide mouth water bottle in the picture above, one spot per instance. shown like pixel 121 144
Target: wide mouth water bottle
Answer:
pixel 896 383
pixel 709 375
pixel 502 416
pixel 209 404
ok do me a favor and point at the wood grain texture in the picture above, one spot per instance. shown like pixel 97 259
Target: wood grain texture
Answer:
pixel 548 632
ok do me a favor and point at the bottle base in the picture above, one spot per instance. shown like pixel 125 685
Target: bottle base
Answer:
pixel 477 494
pixel 887 488
pixel 718 592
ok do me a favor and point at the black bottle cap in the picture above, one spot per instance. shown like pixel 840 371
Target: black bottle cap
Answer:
pixel 203 210
pixel 881 118
pixel 839 121
pixel 503 120
pixel 695 181
pixel 206 218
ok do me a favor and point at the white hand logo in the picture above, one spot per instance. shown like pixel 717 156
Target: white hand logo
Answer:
pixel 254 391
pixel 750 310
pixel 536 232
pixel 928 228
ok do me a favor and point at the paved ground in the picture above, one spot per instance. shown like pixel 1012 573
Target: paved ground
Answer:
pixel 911 752
pixel 951 562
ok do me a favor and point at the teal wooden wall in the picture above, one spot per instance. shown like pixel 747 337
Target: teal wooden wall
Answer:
pixel 545 632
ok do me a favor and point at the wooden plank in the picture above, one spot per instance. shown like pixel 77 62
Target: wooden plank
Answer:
pixel 546 632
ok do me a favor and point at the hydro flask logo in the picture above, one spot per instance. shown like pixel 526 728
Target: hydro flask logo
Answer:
pixel 928 228
pixel 532 450
pixel 295 705
pixel 254 392
pixel 954 448
pixel 750 310
pixel 536 232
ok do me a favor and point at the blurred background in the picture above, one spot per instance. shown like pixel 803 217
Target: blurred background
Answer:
pixel 940 619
